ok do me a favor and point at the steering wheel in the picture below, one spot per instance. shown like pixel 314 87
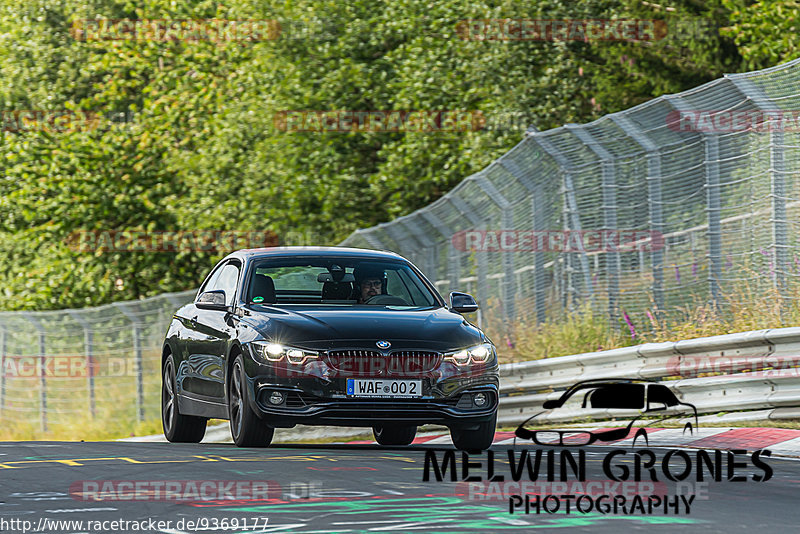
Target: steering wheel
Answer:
pixel 386 300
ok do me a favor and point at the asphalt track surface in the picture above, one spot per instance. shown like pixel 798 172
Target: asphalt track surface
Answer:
pixel 352 488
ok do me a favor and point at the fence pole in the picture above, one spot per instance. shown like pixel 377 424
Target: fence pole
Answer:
pixel 408 243
pixel 654 203
pixel 479 223
pixel 780 226
pixel 572 218
pixel 3 334
pixel 42 371
pixel 537 219
pixel 372 239
pixel 429 246
pixel 609 206
pixel 453 260
pixel 137 352
pixel 89 348
pixel 88 352
pixel 508 260
pixel 779 221
pixel 713 213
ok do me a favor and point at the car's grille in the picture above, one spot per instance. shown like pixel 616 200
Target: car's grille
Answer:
pixel 365 362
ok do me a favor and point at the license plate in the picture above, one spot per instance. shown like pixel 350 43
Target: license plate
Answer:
pixel 393 389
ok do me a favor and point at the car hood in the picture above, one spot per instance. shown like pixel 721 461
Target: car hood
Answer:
pixel 360 327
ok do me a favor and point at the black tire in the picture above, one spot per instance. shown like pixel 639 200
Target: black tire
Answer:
pixel 177 428
pixel 394 435
pixel 247 429
pixel 475 440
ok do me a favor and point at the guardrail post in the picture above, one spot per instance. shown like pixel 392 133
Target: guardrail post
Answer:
pixel 137 351
pixel 42 371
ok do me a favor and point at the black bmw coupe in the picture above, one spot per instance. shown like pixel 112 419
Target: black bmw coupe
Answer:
pixel 327 336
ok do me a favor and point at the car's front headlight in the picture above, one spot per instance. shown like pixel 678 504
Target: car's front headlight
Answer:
pixel 478 354
pixel 275 352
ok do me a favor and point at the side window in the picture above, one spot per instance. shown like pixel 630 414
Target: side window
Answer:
pixel 228 279
pixel 212 282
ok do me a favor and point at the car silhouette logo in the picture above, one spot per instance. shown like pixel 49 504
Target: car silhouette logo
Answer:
pixel 383 344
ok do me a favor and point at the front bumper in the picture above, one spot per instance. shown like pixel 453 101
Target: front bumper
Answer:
pixel 315 394
pixel 302 408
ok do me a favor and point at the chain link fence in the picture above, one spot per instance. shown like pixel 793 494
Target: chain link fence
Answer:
pixel 63 367
pixel 685 199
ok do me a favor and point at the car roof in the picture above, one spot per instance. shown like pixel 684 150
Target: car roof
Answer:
pixel 253 253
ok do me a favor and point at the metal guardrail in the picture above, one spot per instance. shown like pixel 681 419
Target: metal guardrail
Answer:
pixel 754 370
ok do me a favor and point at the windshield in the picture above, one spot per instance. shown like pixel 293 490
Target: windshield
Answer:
pixel 337 281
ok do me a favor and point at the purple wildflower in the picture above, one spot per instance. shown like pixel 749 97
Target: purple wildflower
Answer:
pixel 630 324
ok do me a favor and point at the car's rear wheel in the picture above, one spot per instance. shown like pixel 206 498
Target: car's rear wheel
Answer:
pixel 177 428
pixel 247 429
pixel 394 435
pixel 478 439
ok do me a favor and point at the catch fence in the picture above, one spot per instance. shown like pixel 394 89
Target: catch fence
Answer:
pixel 686 199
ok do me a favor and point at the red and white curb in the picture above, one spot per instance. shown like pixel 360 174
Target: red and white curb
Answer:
pixel 781 441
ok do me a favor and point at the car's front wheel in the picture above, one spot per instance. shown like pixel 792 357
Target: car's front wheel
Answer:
pixel 177 428
pixel 394 435
pixel 478 439
pixel 246 428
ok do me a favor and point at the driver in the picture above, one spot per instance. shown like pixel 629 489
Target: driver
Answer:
pixel 370 281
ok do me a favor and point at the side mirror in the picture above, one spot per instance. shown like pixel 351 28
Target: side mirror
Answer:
pixel 462 302
pixel 212 300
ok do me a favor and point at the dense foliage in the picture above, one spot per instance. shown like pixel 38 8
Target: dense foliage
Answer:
pixel 204 151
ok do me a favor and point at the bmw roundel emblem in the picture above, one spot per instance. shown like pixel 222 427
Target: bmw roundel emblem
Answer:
pixel 383 344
